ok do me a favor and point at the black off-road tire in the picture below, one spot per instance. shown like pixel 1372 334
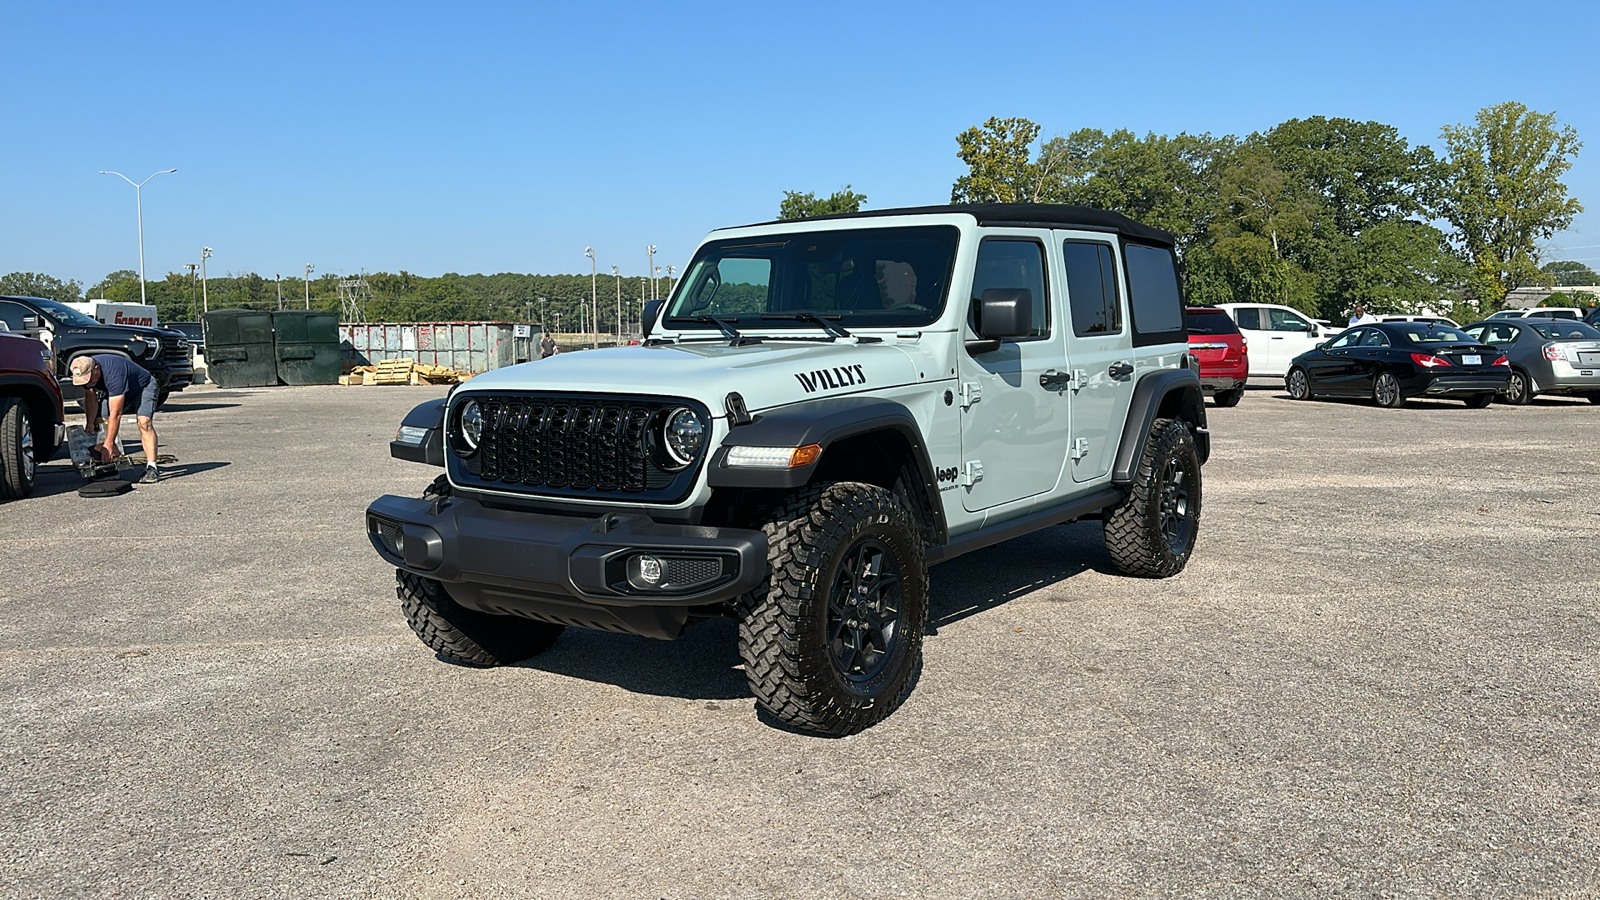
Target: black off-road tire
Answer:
pixel 466 635
pixel 17 462
pixel 1298 384
pixel 1228 398
pixel 1479 401
pixel 1151 533
pixel 1519 390
pixel 795 625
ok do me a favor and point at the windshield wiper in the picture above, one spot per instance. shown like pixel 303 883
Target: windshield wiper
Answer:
pixel 735 339
pixel 823 322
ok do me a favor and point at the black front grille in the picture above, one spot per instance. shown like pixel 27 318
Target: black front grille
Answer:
pixel 570 445
pixel 171 353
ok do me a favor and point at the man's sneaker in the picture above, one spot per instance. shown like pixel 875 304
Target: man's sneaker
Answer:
pixel 150 475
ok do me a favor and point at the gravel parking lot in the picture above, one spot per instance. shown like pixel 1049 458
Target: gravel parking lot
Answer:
pixel 1377 677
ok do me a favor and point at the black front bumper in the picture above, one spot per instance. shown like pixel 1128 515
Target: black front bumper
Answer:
pixel 562 569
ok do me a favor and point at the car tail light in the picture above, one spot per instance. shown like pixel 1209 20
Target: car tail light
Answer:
pixel 1553 353
pixel 1429 362
pixel 1503 361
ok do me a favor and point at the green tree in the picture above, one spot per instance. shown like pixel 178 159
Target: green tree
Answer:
pixel 1565 272
pixel 796 205
pixel 1000 167
pixel 1504 194
pixel 1171 183
pixel 34 284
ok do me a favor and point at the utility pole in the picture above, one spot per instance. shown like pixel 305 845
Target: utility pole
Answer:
pixel 205 254
pixel 309 267
pixel 279 280
pixel 193 278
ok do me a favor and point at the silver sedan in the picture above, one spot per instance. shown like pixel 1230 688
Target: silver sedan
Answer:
pixel 1548 356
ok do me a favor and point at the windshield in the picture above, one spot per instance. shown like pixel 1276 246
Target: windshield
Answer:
pixel 64 315
pixel 1566 331
pixel 1426 333
pixel 862 278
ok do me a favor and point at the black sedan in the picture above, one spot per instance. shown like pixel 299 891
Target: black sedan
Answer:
pixel 1392 362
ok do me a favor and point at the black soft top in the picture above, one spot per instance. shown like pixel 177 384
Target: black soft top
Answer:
pixel 1041 215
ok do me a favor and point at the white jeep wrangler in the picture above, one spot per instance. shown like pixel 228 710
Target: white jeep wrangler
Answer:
pixel 824 408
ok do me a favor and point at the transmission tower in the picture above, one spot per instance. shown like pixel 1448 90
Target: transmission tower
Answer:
pixel 353 296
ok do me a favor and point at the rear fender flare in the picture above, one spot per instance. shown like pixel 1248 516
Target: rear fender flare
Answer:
pixel 1175 392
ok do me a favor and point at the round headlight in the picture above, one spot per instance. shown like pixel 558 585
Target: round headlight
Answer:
pixel 683 435
pixel 471 425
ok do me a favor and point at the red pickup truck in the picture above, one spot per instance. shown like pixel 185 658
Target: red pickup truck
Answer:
pixel 32 421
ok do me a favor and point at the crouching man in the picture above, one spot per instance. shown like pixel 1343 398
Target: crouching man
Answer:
pixel 118 383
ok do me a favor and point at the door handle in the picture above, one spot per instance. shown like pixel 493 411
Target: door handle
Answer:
pixel 1120 370
pixel 1053 380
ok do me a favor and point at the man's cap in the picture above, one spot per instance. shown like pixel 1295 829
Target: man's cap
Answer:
pixel 82 370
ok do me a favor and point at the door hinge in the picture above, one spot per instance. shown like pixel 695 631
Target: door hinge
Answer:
pixel 1080 449
pixel 971 392
pixel 973 473
pixel 1079 379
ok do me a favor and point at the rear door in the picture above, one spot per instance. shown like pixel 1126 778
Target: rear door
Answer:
pixel 1099 350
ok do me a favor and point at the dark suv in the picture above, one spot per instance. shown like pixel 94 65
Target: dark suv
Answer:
pixel 70 334
pixel 32 423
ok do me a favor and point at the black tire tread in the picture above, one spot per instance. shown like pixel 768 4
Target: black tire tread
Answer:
pixel 1133 536
pixel 1228 398
pixel 14 481
pixel 466 635
pixel 800 535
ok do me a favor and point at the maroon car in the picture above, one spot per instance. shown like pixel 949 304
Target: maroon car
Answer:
pixel 32 422
pixel 1222 352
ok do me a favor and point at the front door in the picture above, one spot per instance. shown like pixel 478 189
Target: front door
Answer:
pixel 1099 351
pixel 1013 423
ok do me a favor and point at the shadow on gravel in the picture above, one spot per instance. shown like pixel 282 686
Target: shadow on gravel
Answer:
pixel 701 665
pixel 172 406
pixel 981 581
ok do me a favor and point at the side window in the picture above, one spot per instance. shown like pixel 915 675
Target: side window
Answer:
pixel 1248 317
pixel 1502 334
pixel 18 317
pixel 1019 263
pixel 1092 289
pixel 1285 320
pixel 1345 341
pixel 1153 295
pixel 1372 337
pixel 1475 333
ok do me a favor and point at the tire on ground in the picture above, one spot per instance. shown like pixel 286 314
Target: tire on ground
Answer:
pixel 793 626
pixel 466 635
pixel 1166 491
pixel 16 449
pixel 1228 398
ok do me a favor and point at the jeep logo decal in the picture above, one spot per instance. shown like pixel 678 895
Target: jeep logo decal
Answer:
pixel 831 379
pixel 947 474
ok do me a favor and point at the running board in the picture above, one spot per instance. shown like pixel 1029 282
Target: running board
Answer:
pixel 990 535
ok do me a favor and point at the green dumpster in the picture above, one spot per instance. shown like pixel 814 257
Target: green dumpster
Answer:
pixel 239 348
pixel 307 344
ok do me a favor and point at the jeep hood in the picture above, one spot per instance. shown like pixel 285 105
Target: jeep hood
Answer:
pixel 772 373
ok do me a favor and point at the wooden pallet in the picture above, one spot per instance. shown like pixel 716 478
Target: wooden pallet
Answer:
pixel 393 371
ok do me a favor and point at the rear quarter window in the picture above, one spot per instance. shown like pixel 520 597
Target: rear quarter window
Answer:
pixel 1153 295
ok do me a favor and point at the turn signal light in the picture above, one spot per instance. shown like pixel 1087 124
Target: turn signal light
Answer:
pixel 1429 362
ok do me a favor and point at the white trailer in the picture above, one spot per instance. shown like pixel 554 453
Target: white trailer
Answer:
pixel 108 313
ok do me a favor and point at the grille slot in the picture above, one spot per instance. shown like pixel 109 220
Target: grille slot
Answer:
pixel 574 446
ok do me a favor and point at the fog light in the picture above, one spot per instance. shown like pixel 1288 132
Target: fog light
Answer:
pixel 649 569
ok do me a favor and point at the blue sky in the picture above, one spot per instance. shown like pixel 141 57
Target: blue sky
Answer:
pixel 507 137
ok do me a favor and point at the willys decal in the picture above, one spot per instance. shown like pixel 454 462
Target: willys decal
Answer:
pixel 831 379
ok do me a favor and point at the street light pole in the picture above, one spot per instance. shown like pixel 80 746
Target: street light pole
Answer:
pixel 594 296
pixel 617 275
pixel 670 270
pixel 279 280
pixel 309 267
pixel 193 268
pixel 205 298
pixel 138 199
pixel 650 254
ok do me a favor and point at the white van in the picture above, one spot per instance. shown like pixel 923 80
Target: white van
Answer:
pixel 1277 334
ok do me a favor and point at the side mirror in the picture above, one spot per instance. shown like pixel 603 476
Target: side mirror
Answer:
pixel 652 308
pixel 1002 313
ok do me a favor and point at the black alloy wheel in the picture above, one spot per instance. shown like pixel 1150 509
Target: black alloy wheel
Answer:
pixel 1386 391
pixel 1298 385
pixel 1175 523
pixel 864 610
pixel 1518 392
